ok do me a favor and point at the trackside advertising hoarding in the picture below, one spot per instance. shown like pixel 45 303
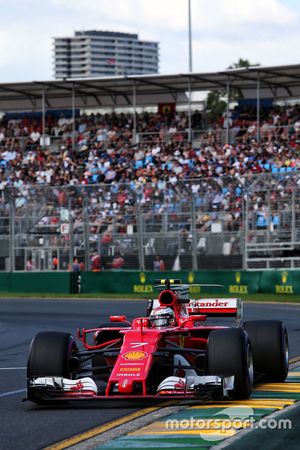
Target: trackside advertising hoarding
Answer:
pixel 234 283
pixel 280 282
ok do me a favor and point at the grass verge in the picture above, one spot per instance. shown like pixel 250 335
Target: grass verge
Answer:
pixel 277 298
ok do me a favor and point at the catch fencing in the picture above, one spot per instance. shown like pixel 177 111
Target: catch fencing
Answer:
pixel 238 222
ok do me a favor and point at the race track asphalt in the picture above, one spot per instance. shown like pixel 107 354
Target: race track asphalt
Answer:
pixel 26 426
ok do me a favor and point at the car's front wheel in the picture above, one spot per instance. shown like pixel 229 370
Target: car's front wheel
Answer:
pixel 51 354
pixel 229 353
pixel 269 342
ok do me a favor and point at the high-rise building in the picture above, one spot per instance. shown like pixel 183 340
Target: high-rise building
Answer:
pixel 104 53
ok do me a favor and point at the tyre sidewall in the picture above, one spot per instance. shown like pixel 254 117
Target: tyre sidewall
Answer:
pixel 228 353
pixel 269 341
pixel 49 354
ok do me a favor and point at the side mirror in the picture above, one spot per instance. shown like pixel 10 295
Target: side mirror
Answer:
pixel 117 319
pixel 199 318
pixel 192 319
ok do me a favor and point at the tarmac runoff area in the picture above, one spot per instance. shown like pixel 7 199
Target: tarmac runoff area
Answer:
pixel 268 420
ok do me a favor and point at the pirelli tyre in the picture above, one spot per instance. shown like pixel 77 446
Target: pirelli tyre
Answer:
pixel 229 353
pixel 269 342
pixel 51 355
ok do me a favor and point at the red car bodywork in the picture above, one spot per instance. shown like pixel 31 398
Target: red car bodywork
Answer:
pixel 132 360
pixel 138 345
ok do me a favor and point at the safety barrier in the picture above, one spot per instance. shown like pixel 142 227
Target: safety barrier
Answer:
pixel 141 283
pixel 30 283
pixel 235 283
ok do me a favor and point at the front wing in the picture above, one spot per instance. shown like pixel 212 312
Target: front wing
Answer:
pixel 47 389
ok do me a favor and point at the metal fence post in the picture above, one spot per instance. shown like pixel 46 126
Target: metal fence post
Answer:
pixel 245 225
pixel 71 252
pixel 194 237
pixel 11 231
pixel 134 141
pixel 86 232
pixel 140 236
pixel 293 234
pixel 74 118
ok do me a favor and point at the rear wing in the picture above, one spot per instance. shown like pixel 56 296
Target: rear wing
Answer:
pixel 217 307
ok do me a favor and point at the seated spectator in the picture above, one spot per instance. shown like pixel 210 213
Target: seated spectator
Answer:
pixel 55 263
pixel 95 262
pixel 158 264
pixel 117 262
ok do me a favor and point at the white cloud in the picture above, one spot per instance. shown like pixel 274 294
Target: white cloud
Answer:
pixel 26 58
pixel 241 13
pixel 172 14
pixel 265 31
pixel 269 52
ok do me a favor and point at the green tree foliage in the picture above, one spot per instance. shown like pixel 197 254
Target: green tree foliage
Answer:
pixel 215 104
pixel 242 63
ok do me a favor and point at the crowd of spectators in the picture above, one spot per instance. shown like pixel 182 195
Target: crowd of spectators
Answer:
pixel 104 152
pixel 159 167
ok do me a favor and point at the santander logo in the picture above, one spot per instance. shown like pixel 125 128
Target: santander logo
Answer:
pixel 214 303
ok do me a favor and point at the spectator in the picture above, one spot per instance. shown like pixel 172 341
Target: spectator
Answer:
pixel 75 265
pixel 162 265
pixel 29 265
pixel 54 263
pixel 117 262
pixel 158 264
pixel 95 262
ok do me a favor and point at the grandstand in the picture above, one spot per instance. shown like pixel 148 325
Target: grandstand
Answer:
pixel 199 195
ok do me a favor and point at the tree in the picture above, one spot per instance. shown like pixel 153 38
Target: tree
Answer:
pixel 215 103
pixel 215 106
pixel 242 63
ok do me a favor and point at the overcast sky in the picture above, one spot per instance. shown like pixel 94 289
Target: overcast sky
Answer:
pixel 263 31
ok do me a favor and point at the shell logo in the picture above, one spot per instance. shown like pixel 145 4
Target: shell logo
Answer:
pixel 284 277
pixel 135 356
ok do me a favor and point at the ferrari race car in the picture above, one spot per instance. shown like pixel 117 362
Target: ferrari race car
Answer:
pixel 169 353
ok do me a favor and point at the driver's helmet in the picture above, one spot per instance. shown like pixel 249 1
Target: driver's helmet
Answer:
pixel 162 317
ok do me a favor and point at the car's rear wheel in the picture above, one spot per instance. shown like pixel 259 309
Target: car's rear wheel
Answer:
pixel 269 342
pixel 51 355
pixel 229 353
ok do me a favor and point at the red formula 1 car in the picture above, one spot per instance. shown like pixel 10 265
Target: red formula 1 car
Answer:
pixel 170 353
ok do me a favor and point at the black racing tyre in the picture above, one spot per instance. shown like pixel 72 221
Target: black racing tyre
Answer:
pixel 229 353
pixel 49 354
pixel 269 342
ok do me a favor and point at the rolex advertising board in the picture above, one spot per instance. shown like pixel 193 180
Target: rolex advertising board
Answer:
pixel 133 282
pixel 280 282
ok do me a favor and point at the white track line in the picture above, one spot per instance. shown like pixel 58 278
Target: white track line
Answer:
pixel 19 391
pixel 8 394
